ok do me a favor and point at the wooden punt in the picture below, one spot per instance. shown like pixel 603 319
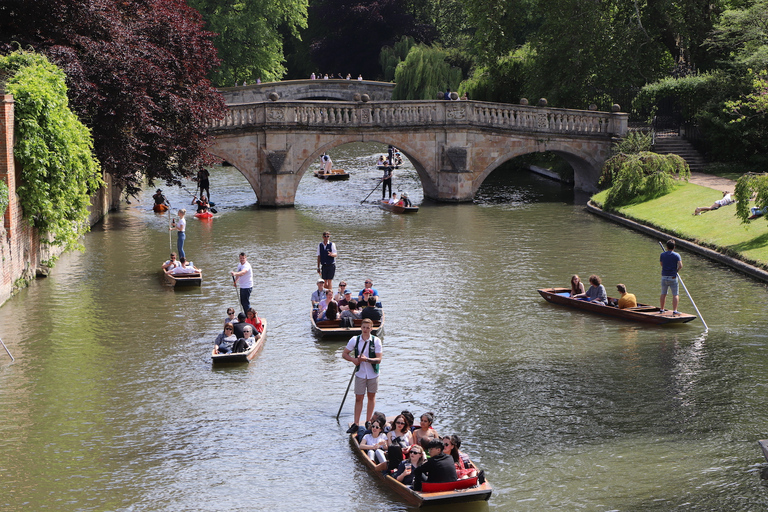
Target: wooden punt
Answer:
pixel 334 175
pixel 642 313
pixel 384 204
pixel 248 355
pixel 180 280
pixel 472 491
pixel 331 329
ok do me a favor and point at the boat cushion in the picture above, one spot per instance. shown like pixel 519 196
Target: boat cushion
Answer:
pixel 449 486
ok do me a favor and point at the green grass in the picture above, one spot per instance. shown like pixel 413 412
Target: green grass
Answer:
pixel 719 229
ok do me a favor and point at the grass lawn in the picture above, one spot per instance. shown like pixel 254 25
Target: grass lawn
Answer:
pixel 718 229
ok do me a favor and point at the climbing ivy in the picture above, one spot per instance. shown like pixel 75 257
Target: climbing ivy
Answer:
pixel 53 148
pixel 746 186
pixel 3 198
pixel 641 176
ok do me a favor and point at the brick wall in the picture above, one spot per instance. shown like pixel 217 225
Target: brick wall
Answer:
pixel 21 252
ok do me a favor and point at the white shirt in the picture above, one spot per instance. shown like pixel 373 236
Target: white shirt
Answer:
pixel 245 280
pixel 181 224
pixel 366 368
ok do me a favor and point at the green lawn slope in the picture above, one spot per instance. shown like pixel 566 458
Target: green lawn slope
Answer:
pixel 719 229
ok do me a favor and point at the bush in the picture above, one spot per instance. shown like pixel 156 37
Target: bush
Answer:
pixel 639 177
pixel 634 142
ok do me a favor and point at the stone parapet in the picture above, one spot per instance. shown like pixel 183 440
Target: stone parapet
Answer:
pixel 340 90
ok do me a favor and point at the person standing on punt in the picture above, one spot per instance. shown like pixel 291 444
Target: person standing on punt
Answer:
pixel 244 280
pixel 671 263
pixel 326 260
pixel 367 350
pixel 180 226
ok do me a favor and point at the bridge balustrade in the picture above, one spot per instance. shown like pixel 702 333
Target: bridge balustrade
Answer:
pixel 402 114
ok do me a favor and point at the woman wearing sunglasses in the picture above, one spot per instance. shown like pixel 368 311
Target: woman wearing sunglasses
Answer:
pixel 225 341
pixel 404 473
pixel 375 443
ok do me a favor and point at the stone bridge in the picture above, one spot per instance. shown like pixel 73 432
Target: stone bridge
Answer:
pixel 454 145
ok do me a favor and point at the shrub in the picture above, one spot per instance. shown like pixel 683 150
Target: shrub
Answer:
pixel 634 142
pixel 639 177
pixel 746 186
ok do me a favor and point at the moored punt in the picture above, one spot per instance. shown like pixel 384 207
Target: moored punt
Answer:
pixel 243 357
pixel 397 209
pixel 334 175
pixel 160 208
pixel 179 280
pixel 332 329
pixel 454 492
pixel 642 313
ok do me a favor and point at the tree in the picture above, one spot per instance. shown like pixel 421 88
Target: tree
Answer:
pixel 642 176
pixel 249 36
pixel 53 148
pixel 136 73
pixel 423 74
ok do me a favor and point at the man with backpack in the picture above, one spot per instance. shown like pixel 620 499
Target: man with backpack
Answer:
pixel 365 352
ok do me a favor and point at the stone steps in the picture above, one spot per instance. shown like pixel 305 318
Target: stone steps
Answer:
pixel 676 145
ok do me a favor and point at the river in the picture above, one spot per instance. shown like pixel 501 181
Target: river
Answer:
pixel 112 403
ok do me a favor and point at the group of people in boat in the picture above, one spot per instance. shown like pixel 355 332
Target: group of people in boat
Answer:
pixel 597 294
pixel 179 266
pixel 394 161
pixel 403 201
pixel 240 333
pixel 411 453
pixel 342 305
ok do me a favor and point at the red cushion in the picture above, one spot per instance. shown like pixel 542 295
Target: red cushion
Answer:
pixel 449 486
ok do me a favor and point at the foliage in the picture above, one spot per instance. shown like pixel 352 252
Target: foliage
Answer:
pixel 3 197
pixel 136 73
pixel 424 73
pixel 502 80
pixel 740 38
pixel 446 18
pixel 499 27
pixel 689 94
pixel 634 142
pixel 391 56
pixel 641 176
pixel 347 35
pixel 53 148
pixel 754 103
pixel 249 36
pixel 747 186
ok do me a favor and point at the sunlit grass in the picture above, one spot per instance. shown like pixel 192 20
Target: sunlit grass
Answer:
pixel 719 229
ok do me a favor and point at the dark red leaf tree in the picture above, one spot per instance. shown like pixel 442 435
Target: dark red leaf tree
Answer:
pixel 136 72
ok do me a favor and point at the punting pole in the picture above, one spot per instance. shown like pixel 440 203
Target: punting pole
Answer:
pixel 706 327
pixel 371 192
pixel 237 292
pixel 12 359
pixel 354 370
pixel 170 237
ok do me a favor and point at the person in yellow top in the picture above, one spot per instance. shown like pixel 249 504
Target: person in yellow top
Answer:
pixel 627 300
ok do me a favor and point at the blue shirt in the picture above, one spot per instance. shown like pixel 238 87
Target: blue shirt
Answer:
pixel 669 261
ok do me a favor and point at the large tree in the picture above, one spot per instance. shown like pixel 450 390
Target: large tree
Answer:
pixel 249 36
pixel 136 73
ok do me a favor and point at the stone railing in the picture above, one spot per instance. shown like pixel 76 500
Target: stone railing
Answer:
pixel 409 114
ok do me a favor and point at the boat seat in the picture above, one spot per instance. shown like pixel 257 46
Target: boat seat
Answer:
pixel 335 323
pixel 449 486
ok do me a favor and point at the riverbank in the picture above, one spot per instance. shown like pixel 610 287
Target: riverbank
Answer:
pixel 718 235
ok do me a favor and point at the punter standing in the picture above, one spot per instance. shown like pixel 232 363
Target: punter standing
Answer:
pixel 326 260
pixel 244 280
pixel 671 263
pixel 367 352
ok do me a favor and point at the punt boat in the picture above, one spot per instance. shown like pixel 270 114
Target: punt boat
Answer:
pixel 642 313
pixel 332 328
pixel 384 204
pixel 248 355
pixel 181 280
pixel 334 175
pixel 460 491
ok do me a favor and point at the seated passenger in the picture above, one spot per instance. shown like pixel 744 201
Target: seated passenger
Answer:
pixel 318 294
pixel 577 287
pixel 627 300
pixel 425 432
pixel 171 263
pixel 464 467
pixel 375 443
pixel 239 325
pixel 595 293
pixel 343 302
pixel 393 199
pixel 725 201
pixel 352 311
pixel 231 318
pixel 331 312
pixel 252 317
pixel 225 341
pixel 183 268
pixel 416 458
pixel 202 203
pixel 324 303
pixel 438 469
pixel 406 202
pixel 244 343
pixel 342 289
pixel 369 287
pixel 371 311
pixel 380 161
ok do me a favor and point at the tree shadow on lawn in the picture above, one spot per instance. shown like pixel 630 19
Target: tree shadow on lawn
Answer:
pixel 749 245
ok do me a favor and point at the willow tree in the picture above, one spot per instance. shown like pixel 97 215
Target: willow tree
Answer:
pixel 424 73
pixel 54 149
pixel 641 176
pixel 747 186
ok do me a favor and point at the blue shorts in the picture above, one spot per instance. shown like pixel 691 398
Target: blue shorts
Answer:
pixel 669 282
